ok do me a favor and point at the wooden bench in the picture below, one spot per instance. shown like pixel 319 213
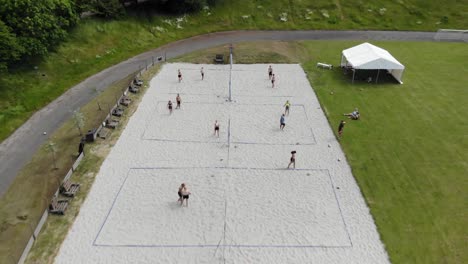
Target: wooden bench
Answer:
pixel 69 189
pixel 219 58
pixel 104 133
pixel 117 112
pixel 58 206
pixel 133 89
pixel 125 101
pixel 137 82
pixel 112 123
pixel 324 65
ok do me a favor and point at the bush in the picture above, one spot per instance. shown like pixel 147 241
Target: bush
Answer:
pixel 10 50
pixel 183 6
pixel 37 26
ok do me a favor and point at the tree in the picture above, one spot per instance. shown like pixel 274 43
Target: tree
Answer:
pixel 103 8
pixel 78 119
pixel 97 92
pixel 182 6
pixel 52 149
pixel 38 25
pixel 10 50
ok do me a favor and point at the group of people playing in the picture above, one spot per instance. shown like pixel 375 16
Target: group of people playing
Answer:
pixel 184 193
pixel 178 101
pixel 271 76
pixel 202 73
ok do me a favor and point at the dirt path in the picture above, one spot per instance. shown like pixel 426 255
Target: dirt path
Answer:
pixel 19 148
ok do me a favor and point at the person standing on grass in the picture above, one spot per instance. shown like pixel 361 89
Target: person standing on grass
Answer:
pixel 169 106
pixel 292 160
pixel 216 128
pixel 202 72
pixel 178 100
pixel 273 81
pixel 179 75
pixel 340 128
pixel 270 72
pixel 282 122
pixel 286 107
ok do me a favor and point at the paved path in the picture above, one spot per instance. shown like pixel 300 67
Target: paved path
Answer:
pixel 19 148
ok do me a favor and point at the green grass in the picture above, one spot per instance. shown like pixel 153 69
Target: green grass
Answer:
pixel 96 44
pixel 409 152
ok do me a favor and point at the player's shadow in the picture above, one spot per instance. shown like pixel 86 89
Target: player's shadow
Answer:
pixel 174 205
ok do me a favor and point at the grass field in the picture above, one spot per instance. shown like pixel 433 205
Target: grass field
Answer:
pixel 96 44
pixel 409 150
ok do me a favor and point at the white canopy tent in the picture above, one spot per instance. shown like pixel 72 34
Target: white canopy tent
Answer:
pixel 369 57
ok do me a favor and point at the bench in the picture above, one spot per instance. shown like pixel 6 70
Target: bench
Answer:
pixel 324 65
pixel 117 112
pixel 219 58
pixel 125 101
pixel 69 189
pixel 112 123
pixel 104 133
pixel 133 89
pixel 58 206
pixel 137 82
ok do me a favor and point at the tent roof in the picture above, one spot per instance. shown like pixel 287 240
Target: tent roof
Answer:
pixel 367 56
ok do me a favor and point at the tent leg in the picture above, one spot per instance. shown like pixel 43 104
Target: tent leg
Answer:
pixel 378 72
pixel 354 71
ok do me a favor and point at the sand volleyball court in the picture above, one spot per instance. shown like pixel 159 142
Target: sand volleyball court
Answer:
pixel 245 207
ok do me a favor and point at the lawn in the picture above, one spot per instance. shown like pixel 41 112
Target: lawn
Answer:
pixel 97 44
pixel 408 153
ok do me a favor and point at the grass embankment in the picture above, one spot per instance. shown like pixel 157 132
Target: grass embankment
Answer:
pixel 96 44
pixel 409 152
pixel 30 193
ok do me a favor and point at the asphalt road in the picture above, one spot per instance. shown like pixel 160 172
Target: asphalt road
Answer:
pixel 18 149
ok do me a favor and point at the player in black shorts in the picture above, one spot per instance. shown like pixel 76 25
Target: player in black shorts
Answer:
pixel 270 72
pixel 273 81
pixel 169 106
pixel 178 100
pixel 179 75
pixel 340 128
pixel 180 192
pixel 216 128
pixel 293 159
pixel 202 72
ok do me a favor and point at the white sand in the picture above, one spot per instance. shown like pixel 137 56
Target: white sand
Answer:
pixel 245 206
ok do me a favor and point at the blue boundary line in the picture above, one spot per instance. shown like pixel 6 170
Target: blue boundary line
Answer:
pixel 314 141
pixel 226 245
pixel 273 144
pixel 155 111
pixel 265 96
pixel 339 207
pixel 112 206
pixel 184 141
